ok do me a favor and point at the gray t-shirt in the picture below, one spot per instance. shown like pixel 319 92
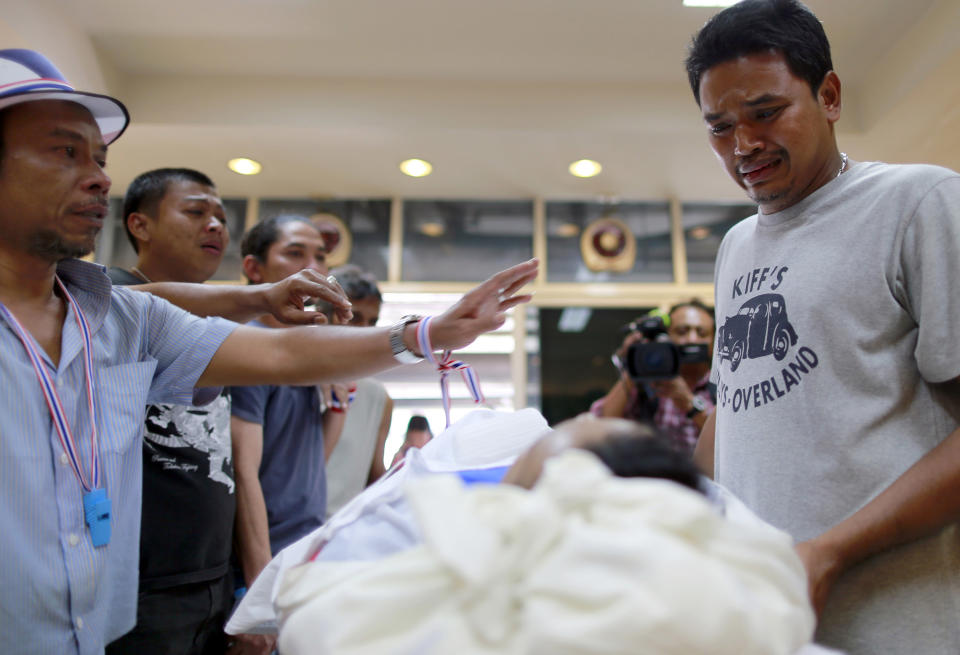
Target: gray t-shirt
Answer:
pixel 838 323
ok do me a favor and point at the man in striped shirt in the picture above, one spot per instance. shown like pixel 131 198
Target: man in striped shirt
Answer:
pixel 79 360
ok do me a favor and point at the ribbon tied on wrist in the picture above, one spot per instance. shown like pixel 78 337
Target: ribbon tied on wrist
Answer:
pixel 446 364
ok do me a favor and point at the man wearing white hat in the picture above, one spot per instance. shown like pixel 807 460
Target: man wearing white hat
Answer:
pixel 79 360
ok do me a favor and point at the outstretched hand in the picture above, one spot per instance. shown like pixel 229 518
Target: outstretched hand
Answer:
pixel 482 309
pixel 286 299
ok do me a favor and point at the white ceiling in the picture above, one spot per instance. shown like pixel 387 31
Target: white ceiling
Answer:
pixel 500 95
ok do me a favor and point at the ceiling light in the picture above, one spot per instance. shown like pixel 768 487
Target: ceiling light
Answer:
pixel 585 168
pixel 416 167
pixel 700 233
pixel 709 3
pixel 244 166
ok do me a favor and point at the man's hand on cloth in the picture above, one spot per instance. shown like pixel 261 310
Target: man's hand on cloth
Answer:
pixel 251 644
pixel 823 569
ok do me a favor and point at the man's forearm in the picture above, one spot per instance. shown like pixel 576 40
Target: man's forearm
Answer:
pixel 335 353
pixel 700 419
pixel 333 422
pixel 614 404
pixel 703 453
pixel 236 302
pixel 298 356
pixel 283 300
pixel 377 469
pixel 252 531
pixel 919 503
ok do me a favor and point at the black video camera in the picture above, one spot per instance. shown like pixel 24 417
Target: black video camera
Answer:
pixel 659 358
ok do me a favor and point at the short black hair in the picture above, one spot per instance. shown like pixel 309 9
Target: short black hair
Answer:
pixel 418 422
pixel 260 237
pixel 753 26
pixel 357 283
pixel 147 190
pixel 646 454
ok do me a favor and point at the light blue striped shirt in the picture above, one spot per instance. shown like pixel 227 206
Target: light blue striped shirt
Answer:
pixel 59 594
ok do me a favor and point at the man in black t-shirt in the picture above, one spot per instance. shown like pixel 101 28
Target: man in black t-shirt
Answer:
pixel 175 220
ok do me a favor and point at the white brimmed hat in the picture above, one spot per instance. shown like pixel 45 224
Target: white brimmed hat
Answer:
pixel 26 76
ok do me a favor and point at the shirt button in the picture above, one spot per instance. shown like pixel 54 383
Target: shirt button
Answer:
pixel 64 459
pixel 73 539
pixel 79 623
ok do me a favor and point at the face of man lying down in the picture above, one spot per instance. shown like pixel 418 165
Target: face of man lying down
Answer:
pixel 583 431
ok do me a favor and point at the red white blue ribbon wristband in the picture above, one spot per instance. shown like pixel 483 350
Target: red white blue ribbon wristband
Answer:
pixel 445 365
pixel 57 413
pixel 338 405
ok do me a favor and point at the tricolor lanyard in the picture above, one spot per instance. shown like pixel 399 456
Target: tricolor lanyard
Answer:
pixel 95 502
pixel 445 365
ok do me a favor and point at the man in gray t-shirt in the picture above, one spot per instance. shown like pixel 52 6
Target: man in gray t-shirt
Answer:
pixel 838 403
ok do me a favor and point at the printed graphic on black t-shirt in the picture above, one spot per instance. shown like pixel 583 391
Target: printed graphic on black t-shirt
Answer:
pixel 189 498
pixel 172 431
pixel 759 329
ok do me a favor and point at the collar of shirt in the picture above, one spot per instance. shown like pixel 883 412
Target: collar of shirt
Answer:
pixel 89 285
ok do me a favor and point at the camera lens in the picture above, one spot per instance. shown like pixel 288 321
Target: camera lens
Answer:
pixel 654 360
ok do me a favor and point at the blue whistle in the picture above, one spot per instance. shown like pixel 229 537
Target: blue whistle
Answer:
pixel 96 511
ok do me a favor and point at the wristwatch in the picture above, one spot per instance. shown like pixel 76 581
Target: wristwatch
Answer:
pixel 400 351
pixel 699 405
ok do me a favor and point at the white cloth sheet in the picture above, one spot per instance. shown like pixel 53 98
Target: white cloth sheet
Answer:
pixel 483 438
pixel 421 564
pixel 585 563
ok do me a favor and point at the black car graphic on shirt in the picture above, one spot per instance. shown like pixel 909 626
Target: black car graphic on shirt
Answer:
pixel 758 329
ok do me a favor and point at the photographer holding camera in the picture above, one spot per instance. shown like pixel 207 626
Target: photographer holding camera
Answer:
pixel 665 373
